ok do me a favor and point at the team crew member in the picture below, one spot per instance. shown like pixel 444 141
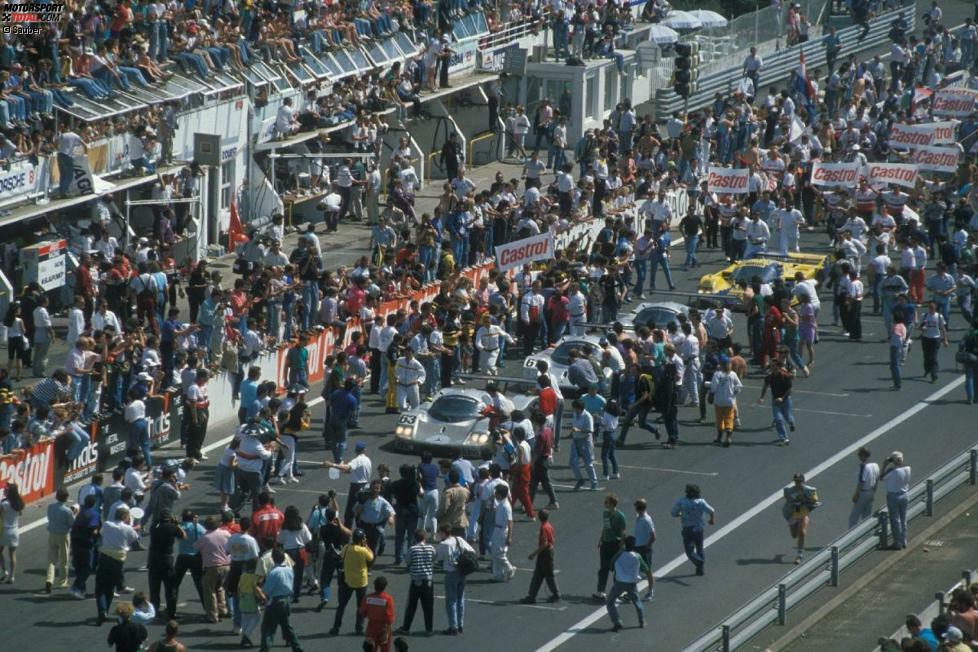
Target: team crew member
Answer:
pixel 378 609
pixel 410 375
pixel 487 343
pixel 544 554
pixel 933 332
pixel 502 535
pixel 117 537
pixel 724 388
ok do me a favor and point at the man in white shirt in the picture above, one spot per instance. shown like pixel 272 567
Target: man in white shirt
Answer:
pixel 502 536
pixel 68 144
pixel 866 481
pixel 409 374
pixel 758 233
pixel 753 63
pixel 76 321
pixel 487 342
pixel 285 123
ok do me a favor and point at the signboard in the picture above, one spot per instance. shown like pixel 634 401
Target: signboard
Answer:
pixel 32 469
pixel 903 136
pixel 45 263
pixel 936 159
pixel 728 181
pixel 21 178
pixel 463 55
pixel 515 62
pixel 953 102
pixel 86 464
pixel 835 174
pixel 901 174
pixel 494 60
pixel 516 254
pixel 164 414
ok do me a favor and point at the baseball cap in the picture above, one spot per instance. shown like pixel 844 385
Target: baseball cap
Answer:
pixel 953 634
pixel 724 359
pixel 361 446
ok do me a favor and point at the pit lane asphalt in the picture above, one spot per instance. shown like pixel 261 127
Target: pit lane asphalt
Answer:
pixel 846 399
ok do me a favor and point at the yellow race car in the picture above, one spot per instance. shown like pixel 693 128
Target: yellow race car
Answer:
pixel 723 288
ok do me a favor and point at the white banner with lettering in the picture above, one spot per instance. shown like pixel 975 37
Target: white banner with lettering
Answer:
pixel 728 181
pixel 901 174
pixel 904 136
pixel 936 159
pixel 22 178
pixel 527 250
pixel 835 174
pixel 953 102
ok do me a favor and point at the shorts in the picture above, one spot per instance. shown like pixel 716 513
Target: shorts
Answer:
pixel 725 417
pixel 17 348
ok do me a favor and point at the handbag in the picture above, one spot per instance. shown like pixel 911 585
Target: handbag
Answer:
pixel 966 357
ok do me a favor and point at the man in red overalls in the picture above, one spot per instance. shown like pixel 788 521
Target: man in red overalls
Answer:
pixel 378 609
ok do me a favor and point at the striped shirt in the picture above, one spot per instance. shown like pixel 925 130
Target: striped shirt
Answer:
pixel 420 561
pixel 49 391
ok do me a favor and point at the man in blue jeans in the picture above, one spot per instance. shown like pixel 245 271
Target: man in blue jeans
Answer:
pixel 692 510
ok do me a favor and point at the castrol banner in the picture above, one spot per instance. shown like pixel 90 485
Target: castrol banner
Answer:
pixel 902 174
pixel 936 159
pixel 904 136
pixel 527 250
pixel 31 469
pixel 728 181
pixel 953 102
pixel 835 174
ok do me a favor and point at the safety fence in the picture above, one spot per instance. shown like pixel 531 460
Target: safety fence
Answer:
pixel 771 606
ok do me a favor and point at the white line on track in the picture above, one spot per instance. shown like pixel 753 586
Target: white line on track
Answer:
pixel 764 406
pixel 806 391
pixel 774 498
pixel 656 468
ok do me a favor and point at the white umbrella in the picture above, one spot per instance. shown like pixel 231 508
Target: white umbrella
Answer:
pixel 663 34
pixel 682 20
pixel 709 19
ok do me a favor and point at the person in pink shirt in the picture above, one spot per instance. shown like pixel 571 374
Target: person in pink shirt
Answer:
pixel 217 563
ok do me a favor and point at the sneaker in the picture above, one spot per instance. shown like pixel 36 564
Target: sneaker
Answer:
pixel 47 587
pixel 75 593
pixel 607 478
pixel 791 427
pixel 649 596
pixel 553 506
pixel 578 485
pixel 616 476
pixel 595 487
pixel 528 600
pixel 293 479
pixel 554 598
pixel 599 595
pixel 127 589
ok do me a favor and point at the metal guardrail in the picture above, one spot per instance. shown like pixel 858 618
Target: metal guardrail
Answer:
pixel 779 66
pixel 771 606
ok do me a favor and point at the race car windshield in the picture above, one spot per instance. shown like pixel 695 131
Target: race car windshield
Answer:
pixel 453 409
pixel 767 274
pixel 657 316
pixel 561 354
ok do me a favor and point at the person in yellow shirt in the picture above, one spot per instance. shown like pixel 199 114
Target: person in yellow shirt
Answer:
pixel 357 559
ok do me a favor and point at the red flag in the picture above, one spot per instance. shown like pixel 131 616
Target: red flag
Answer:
pixel 235 231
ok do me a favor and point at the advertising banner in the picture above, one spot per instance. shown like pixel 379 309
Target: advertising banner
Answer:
pixel 32 469
pixel 528 250
pixel 902 174
pixel 936 159
pixel 953 102
pixel 904 136
pixel 21 179
pixel 728 181
pixel 835 174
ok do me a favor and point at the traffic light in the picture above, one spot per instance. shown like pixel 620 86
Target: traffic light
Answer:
pixel 685 72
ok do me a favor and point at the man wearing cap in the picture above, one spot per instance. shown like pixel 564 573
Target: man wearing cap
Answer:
pixel 360 469
pixel 159 562
pixel 357 558
pixel 953 641
pixel 409 374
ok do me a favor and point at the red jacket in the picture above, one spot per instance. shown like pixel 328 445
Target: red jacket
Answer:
pixel 378 608
pixel 266 522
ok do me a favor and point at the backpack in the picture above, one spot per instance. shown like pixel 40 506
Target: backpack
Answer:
pixel 466 562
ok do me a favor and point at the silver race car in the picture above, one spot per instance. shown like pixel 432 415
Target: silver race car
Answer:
pixel 660 313
pixel 558 358
pixel 458 417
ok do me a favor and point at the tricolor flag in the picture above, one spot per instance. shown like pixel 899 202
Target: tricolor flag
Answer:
pixel 802 83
